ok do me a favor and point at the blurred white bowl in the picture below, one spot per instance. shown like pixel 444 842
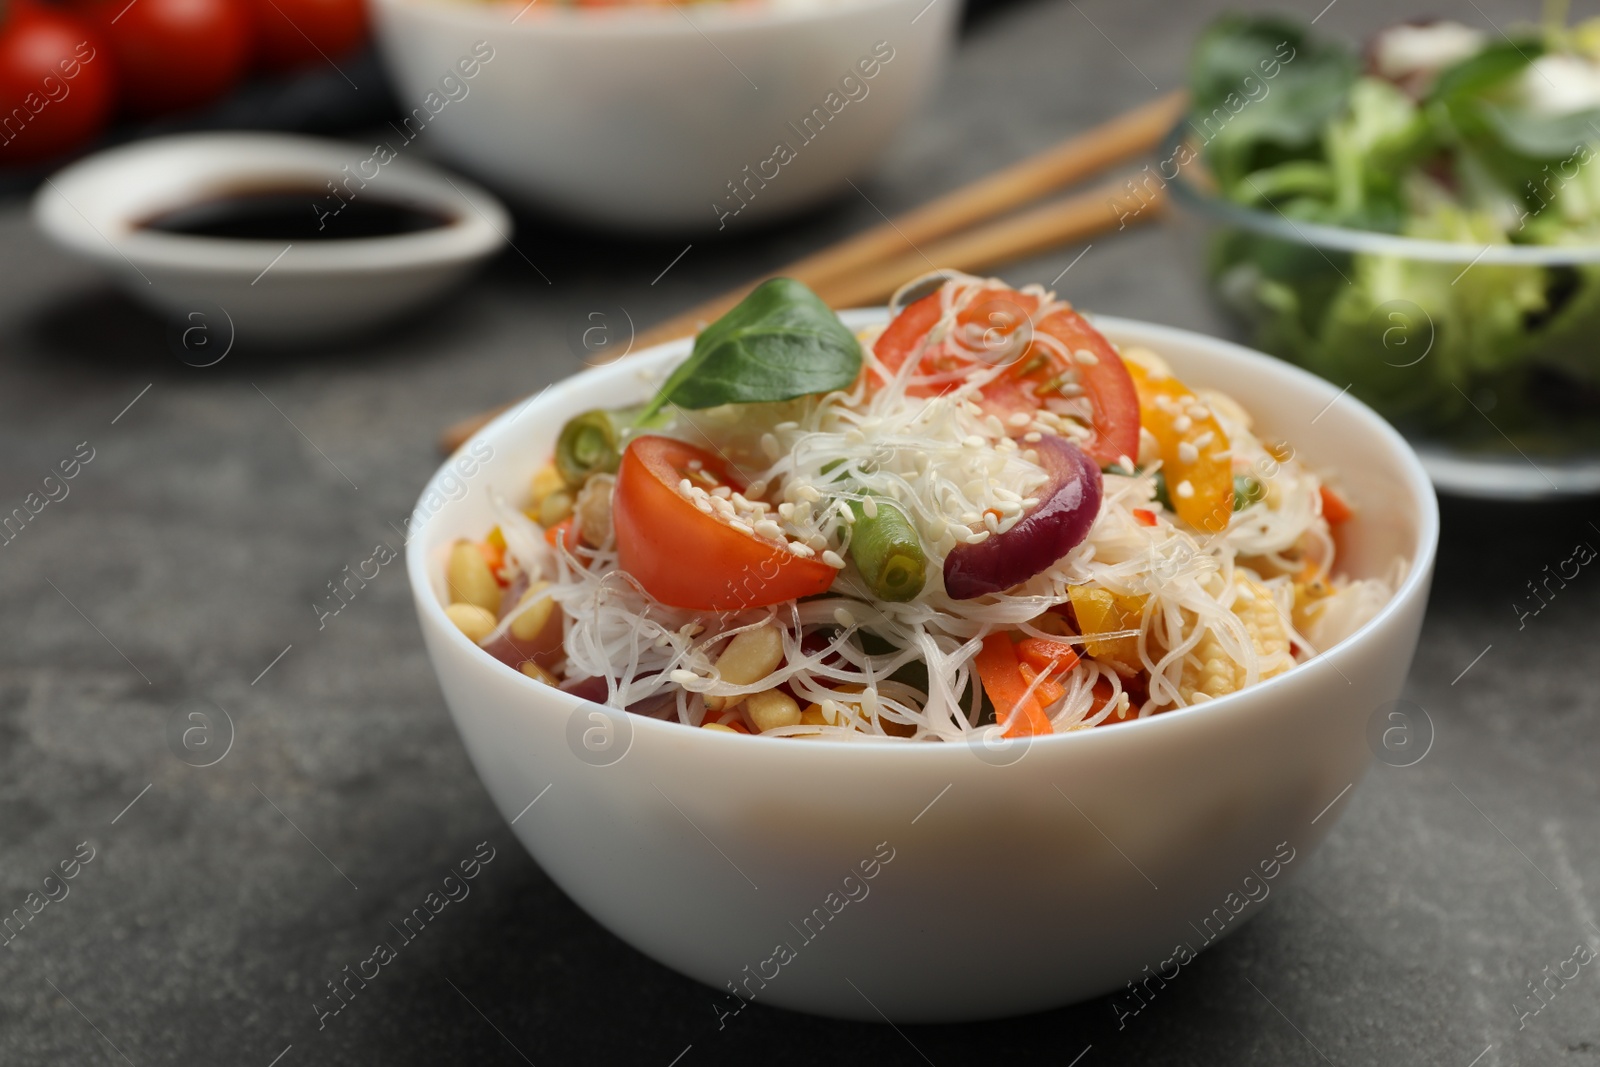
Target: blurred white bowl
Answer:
pixel 646 117
pixel 272 291
pixel 1021 879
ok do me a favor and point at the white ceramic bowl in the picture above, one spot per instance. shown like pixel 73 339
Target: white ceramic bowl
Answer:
pixel 641 117
pixel 266 290
pixel 1030 882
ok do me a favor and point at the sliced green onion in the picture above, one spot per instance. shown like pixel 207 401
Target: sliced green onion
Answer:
pixel 590 443
pixel 1246 491
pixel 887 551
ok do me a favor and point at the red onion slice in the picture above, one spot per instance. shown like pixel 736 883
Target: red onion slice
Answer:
pixel 1067 508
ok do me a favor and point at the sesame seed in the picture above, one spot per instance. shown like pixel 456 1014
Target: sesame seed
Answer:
pixel 786 510
pixel 1199 411
pixel 769 445
pixel 1185 489
pixel 1010 509
pixel 809 494
pixel 978 538
pixel 1086 357
pixel 992 523
pixel 973 441
pixel 1187 452
pixel 683 677
pixel 1033 438
pixel 1020 418
pixel 1031 456
pixel 832 559
pixel 843 617
pixel 869 507
pixel 703 504
pixel 801 550
pixel 970 517
pixel 1070 389
pixel 785 426
pixel 1205 439
pixel 1005 494
pixel 1006 445
pixel 722 492
pixel 1182 424
pixel 769 529
pixel 695 464
pixel 1126 462
pixel 1031 502
pixel 742 527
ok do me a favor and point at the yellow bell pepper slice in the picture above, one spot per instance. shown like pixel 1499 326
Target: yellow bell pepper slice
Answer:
pixel 1194 450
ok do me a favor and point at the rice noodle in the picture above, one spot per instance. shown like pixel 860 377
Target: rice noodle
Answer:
pixel 947 463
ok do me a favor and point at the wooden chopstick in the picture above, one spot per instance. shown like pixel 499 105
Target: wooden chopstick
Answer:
pixel 870 265
pixel 1021 183
pixel 1060 222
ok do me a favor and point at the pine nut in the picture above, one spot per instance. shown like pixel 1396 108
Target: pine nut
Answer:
pixel 749 657
pixel 772 709
pixel 477 623
pixel 532 619
pixel 470 579
pixel 536 672
pixel 593 508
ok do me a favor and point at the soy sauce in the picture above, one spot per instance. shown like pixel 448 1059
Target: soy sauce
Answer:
pixel 295 214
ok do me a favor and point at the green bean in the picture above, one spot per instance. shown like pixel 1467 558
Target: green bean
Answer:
pixel 887 551
pixel 590 443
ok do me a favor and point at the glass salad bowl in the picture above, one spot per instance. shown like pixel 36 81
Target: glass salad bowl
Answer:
pixel 1486 357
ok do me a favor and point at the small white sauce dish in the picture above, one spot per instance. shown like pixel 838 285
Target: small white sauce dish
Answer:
pixel 939 882
pixel 272 291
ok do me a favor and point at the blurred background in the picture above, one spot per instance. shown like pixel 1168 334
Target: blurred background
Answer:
pixel 226 491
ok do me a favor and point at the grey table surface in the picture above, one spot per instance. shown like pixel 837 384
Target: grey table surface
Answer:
pixel 183 564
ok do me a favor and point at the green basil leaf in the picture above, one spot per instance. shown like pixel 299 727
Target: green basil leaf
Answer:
pixel 779 343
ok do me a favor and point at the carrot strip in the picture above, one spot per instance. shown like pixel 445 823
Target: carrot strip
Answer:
pixel 1048 690
pixel 1144 516
pixel 1015 708
pixel 561 533
pixel 1043 654
pixel 1334 509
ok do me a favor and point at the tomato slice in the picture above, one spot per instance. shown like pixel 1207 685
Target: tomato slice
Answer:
pixel 990 317
pixel 687 558
pixel 1166 408
pixel 1107 385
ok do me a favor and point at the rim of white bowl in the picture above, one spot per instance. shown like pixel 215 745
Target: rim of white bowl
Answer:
pixel 94 206
pixel 1419 571
pixel 625 19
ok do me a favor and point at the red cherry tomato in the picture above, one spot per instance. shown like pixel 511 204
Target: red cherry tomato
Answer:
pixel 55 83
pixel 995 314
pixel 298 33
pixel 173 55
pixel 687 558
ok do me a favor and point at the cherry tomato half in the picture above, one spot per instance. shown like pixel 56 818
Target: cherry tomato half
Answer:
pixel 990 318
pixel 175 54
pixel 55 83
pixel 687 558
